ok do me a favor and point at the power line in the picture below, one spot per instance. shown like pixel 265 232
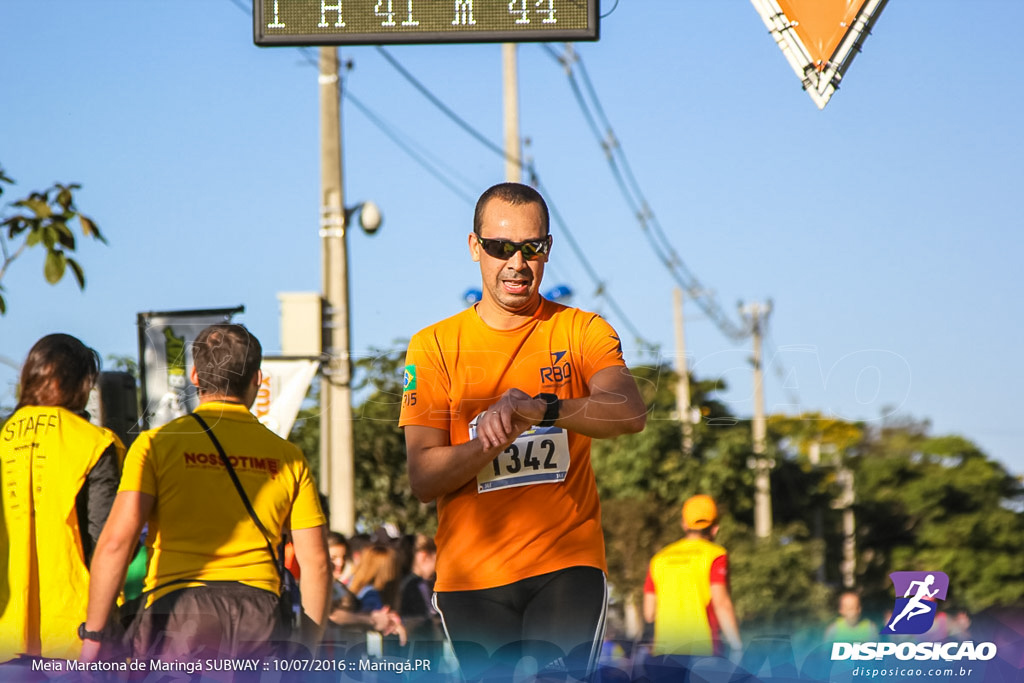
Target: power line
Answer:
pixel 419 156
pixel 622 171
pixel 631 191
pixel 601 289
pixel 445 109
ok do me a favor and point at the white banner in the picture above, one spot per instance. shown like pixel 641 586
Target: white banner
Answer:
pixel 165 345
pixel 284 386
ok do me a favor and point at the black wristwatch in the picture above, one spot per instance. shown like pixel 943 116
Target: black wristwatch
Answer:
pixel 554 406
pixel 83 634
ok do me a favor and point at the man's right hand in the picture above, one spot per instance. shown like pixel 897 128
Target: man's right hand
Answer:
pixel 502 423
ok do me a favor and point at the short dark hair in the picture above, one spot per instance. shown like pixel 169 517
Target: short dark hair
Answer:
pixel 514 194
pixel 226 357
pixel 59 371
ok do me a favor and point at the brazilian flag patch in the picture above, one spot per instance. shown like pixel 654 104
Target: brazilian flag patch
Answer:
pixel 409 378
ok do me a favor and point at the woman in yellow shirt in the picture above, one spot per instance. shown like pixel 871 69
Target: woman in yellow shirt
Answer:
pixel 59 478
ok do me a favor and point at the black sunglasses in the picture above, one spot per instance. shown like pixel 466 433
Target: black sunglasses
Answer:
pixel 506 249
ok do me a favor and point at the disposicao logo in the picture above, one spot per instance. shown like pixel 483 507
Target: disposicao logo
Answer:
pixel 914 612
pixel 917 596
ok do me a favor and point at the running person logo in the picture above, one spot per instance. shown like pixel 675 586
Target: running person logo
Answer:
pixel 914 612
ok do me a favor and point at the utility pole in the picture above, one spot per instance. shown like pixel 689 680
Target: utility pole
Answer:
pixel 683 383
pixel 336 442
pixel 844 476
pixel 755 314
pixel 510 81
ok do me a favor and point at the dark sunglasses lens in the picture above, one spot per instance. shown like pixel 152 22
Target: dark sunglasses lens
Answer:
pixel 495 248
pixel 504 249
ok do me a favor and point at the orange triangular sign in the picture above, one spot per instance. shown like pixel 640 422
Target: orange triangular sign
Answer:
pixel 819 38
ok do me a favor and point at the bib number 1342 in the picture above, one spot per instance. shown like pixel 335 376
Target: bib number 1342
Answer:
pixel 539 456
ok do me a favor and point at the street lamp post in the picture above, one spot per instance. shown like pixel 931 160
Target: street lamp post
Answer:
pixel 337 471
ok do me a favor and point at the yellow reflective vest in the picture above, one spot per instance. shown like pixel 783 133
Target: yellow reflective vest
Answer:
pixel 681 573
pixel 45 455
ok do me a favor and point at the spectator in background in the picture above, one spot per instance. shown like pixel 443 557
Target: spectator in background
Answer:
pixel 337 550
pixel 60 477
pixel 356 545
pixel 366 602
pixel 375 579
pixel 849 627
pixel 415 604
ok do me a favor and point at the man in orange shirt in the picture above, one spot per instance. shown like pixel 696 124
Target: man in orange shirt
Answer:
pixel 500 404
pixel 686 595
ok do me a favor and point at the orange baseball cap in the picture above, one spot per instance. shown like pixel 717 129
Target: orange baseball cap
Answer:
pixel 699 512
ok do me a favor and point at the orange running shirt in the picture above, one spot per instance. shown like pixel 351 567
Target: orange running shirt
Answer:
pixel 542 512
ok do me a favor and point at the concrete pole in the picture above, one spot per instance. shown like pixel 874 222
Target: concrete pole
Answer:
pixel 849 563
pixel 683 384
pixel 762 465
pixel 510 81
pixel 336 443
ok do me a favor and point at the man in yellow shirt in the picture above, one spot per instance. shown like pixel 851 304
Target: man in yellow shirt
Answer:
pixel 686 595
pixel 212 583
pixel 500 404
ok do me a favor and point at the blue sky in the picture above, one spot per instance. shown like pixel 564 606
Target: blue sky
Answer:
pixel 882 228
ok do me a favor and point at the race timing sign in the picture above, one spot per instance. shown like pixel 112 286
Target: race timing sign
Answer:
pixel 374 22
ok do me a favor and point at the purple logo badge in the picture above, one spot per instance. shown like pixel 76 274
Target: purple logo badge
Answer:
pixel 917 601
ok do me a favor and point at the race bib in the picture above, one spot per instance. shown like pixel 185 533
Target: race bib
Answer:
pixel 539 456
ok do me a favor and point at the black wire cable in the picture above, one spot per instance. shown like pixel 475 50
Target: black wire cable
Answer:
pixel 418 157
pixel 601 289
pixel 635 199
pixel 462 123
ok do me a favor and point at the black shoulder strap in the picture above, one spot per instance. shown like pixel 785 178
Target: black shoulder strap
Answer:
pixel 241 493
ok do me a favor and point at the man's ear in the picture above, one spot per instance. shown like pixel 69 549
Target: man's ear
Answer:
pixel 193 376
pixel 474 247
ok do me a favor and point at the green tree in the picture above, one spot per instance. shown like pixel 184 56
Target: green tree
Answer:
pixel 381 484
pixel 645 478
pixel 939 503
pixel 123 363
pixel 44 220
pixel 382 477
